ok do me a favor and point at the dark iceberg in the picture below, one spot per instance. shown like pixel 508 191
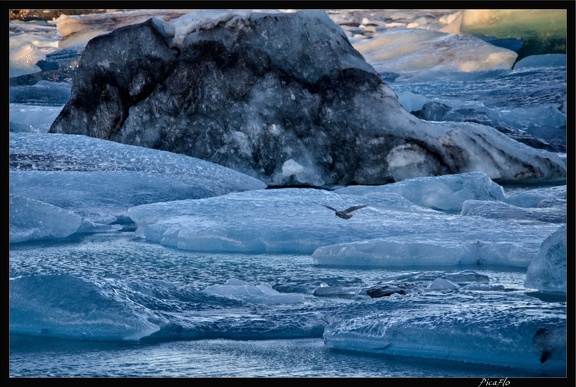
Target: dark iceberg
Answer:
pixel 283 97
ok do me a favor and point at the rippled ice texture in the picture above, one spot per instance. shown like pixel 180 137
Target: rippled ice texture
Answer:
pixel 483 287
pixel 141 283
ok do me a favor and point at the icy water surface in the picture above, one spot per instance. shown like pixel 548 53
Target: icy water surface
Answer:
pixel 226 358
pixel 170 283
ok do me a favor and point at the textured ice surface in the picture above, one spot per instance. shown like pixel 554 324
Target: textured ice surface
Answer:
pixel 500 210
pixel 525 333
pixel 257 294
pixel 391 231
pixel 548 270
pixel 68 307
pixel 32 219
pixel 99 179
pixel 403 50
pixel 443 193
pixel 442 284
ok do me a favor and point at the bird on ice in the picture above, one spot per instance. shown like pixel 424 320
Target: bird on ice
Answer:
pixel 346 213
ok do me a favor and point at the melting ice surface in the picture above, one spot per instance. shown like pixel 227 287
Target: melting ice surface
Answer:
pixel 118 244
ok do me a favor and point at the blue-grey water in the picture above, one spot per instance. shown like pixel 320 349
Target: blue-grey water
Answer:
pixel 128 260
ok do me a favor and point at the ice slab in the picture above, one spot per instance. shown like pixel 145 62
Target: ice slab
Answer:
pixel 434 249
pixel 533 197
pixel 548 270
pixel 256 294
pixel 68 307
pixel 406 50
pixel 99 180
pixel 443 193
pixel 526 334
pixel 391 231
pixel 32 219
pixel 41 93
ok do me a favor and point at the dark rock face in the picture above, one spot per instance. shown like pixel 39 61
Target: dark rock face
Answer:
pixel 281 97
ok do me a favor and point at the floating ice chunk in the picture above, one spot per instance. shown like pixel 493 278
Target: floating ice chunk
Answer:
pixel 294 221
pixel 257 294
pixel 500 210
pixel 298 173
pixel 439 250
pixel 365 114
pixel 27 48
pixel 100 179
pixel 484 287
pixel 461 277
pixel 546 122
pixel 409 50
pixel 442 284
pixel 390 253
pixel 548 270
pixel 33 220
pixel 470 330
pixel 220 224
pixel 533 197
pixel 67 307
pixel 411 102
pixel 23 58
pixel 391 288
pixel 444 193
pixel 334 291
